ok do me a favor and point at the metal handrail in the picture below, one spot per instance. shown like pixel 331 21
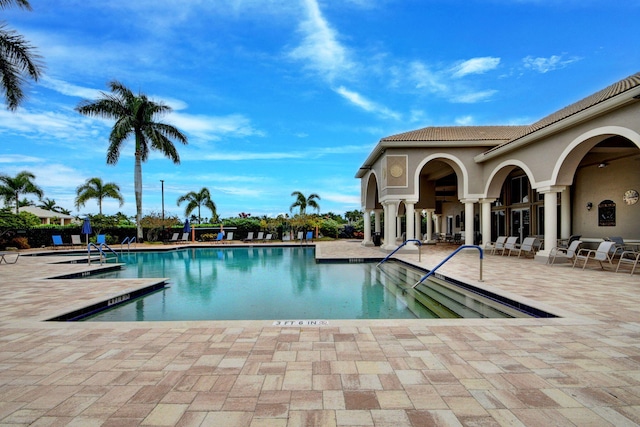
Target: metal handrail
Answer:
pixel 104 245
pixel 447 259
pixel 128 240
pixel 400 247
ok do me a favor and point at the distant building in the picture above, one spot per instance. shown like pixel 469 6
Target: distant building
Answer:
pixel 576 171
pixel 48 217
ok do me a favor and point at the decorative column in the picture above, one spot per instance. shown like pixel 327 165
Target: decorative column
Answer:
pixel 436 222
pixel 410 217
pixel 468 221
pixel 367 229
pixel 430 216
pixel 565 214
pixel 485 220
pixel 418 223
pixel 550 221
pixel 376 220
pixel 390 224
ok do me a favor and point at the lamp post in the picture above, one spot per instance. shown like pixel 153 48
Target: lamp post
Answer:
pixel 162 183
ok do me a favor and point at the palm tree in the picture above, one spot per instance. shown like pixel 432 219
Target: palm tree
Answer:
pixel 196 200
pixel 94 188
pixel 17 60
pixel 302 202
pixel 12 187
pixel 50 205
pixel 135 117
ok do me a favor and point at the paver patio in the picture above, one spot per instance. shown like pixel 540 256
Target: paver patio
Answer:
pixel 579 369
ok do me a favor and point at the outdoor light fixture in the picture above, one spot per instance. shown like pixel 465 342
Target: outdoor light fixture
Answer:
pixel 589 206
pixel 603 165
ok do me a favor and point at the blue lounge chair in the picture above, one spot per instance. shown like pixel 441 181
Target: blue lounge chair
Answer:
pixel 57 241
pixel 309 236
pixel 219 238
pixel 101 239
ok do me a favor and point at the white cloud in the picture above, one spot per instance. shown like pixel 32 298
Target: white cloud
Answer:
pixel 426 79
pixel 213 127
pixel 475 66
pixel 366 104
pixel 320 49
pixel 19 158
pixel 544 65
pixel 464 121
pixel 69 89
pixel 473 97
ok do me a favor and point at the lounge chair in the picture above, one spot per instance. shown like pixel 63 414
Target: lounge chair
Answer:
pixel 603 253
pixel 184 238
pixel 629 257
pixel 300 236
pixel 101 239
pixel 6 256
pixel 260 236
pixel 529 246
pixel 268 237
pixel 309 236
pixel 57 241
pixel 620 246
pixel 249 237
pixel 498 245
pixel 219 238
pixel 228 236
pixel 567 254
pixel 457 238
pixel 510 244
pixel 174 238
pixel 76 240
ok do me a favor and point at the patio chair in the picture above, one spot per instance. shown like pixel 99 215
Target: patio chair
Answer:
pixel 219 238
pixel 260 236
pixel 249 237
pixel 603 253
pixel 76 240
pixel 620 246
pixel 529 246
pixel 174 238
pixel 510 244
pixel 5 257
pixel 101 239
pixel 228 236
pixel 300 236
pixel 57 241
pixel 309 236
pixel 629 257
pixel 184 237
pixel 268 237
pixel 567 254
pixel 497 245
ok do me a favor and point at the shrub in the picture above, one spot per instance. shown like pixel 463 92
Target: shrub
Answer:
pixel 208 237
pixel 20 243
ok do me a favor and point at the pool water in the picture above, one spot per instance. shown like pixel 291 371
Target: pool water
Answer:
pixel 263 283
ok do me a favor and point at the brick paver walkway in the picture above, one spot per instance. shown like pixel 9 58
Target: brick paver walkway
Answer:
pixel 580 369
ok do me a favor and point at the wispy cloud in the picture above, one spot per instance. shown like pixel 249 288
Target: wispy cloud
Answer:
pixel 544 65
pixel 213 127
pixel 366 104
pixel 473 97
pixel 320 49
pixel 475 66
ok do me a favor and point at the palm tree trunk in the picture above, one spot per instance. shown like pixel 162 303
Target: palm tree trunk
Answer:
pixel 137 182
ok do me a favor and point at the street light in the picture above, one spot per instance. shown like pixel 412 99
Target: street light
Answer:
pixel 162 183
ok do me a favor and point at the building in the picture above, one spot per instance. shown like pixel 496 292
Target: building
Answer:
pixel 47 216
pixel 576 171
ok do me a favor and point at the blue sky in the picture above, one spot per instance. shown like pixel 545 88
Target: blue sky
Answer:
pixel 291 95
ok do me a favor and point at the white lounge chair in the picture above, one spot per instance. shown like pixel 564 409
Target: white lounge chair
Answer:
pixel 76 240
pixel 529 246
pixel 510 244
pixel 229 236
pixel 629 257
pixel 602 254
pixel 260 235
pixel 268 237
pixel 249 237
pixel 567 254
pixel 498 245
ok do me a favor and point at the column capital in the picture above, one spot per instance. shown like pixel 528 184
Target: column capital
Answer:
pixel 552 189
pixel 469 200
pixel 487 200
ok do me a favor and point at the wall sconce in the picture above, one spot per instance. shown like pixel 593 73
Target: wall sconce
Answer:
pixel 589 206
pixel 603 165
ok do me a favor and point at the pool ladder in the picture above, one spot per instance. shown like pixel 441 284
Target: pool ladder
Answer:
pixel 103 254
pixel 447 259
pixel 128 241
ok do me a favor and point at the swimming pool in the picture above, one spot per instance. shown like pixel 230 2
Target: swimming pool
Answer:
pixel 274 283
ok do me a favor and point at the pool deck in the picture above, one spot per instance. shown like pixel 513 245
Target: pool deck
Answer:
pixel 576 370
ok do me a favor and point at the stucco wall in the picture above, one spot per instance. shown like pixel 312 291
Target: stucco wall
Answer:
pixel 593 184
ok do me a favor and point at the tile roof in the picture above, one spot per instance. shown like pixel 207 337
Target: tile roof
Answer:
pixel 460 133
pixel 505 134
